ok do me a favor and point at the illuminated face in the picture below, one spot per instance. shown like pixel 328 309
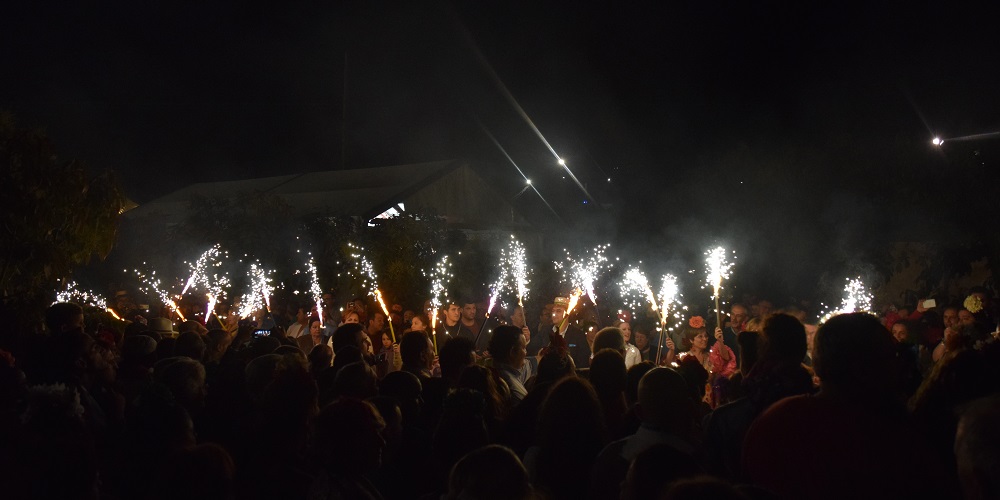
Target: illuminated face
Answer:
pixel 352 317
pixel 517 318
pixel 700 341
pixel 738 316
pixel 950 318
pixel 417 325
pixel 558 313
pixel 407 316
pixel 469 312
pixel 966 318
pixel 315 329
pixel 641 340
pixel 626 331
pixel 386 341
pixel 454 313
pixel 899 332
pixel 378 322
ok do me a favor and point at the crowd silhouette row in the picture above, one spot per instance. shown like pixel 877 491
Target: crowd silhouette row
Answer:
pixel 763 406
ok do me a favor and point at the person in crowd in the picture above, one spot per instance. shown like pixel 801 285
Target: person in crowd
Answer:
pixel 536 340
pixel 667 413
pixel 62 317
pixel 349 334
pixel 977 449
pixel 495 393
pixel 375 327
pixel 320 358
pixel 385 357
pixel 456 355
pixel 452 325
pixel 608 376
pixel 632 355
pixel 492 472
pixel 348 445
pixel 420 323
pixel 777 374
pixel 191 344
pixel 863 437
pixel 642 343
pixel 576 339
pixel 313 338
pixel 555 365
pixel 653 471
pixel 417 353
pixel 300 326
pixel 719 361
pixel 738 317
pixel 508 347
pixel 571 432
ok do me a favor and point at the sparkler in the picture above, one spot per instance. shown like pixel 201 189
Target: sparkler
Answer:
pixel 214 284
pixel 150 284
pixel 89 298
pixel 369 281
pixel 259 295
pixel 856 298
pixel 669 292
pixel 574 298
pixel 440 276
pixel 635 281
pixel 315 289
pixel 582 273
pixel 718 269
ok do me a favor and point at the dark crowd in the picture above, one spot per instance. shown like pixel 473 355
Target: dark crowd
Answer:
pixel 351 403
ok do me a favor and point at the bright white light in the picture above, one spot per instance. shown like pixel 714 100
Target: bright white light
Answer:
pixel 529 181
pixel 937 141
pixel 562 162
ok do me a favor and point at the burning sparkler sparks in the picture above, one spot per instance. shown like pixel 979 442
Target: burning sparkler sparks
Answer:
pixel 73 293
pixel 634 284
pixel 369 281
pixel 315 290
pixel 717 270
pixel 440 277
pixel 856 298
pixel 582 273
pixel 259 295
pixel 150 284
pixel 202 276
pixel 513 277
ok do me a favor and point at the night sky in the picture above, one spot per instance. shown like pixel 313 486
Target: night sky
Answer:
pixel 767 125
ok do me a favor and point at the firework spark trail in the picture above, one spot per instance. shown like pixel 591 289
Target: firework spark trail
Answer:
pixel 513 275
pixel 717 270
pixel 633 284
pixel 582 273
pixel 150 284
pixel 199 270
pixel 518 261
pixel 259 295
pixel 73 293
pixel 369 281
pixel 856 298
pixel 440 277
pixel 215 284
pixel 314 289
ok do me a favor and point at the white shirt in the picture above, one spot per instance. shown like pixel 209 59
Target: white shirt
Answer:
pixel 632 356
pixel 295 331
